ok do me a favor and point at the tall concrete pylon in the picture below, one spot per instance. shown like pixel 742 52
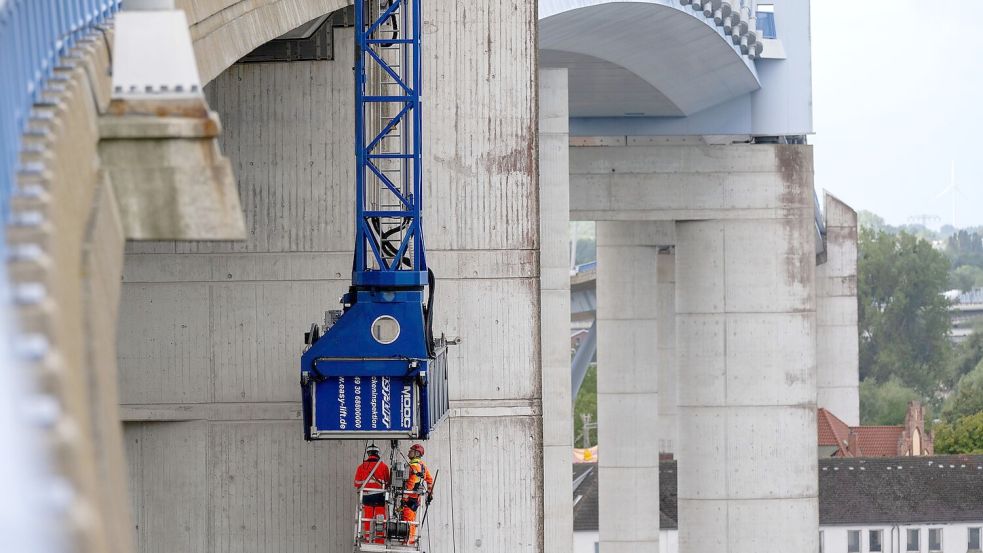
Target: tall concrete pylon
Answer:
pixel 554 214
pixel 208 367
pixel 628 353
pixel 746 348
pixel 837 340
pixel 668 423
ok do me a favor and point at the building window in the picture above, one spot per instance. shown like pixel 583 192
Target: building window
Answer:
pixel 853 541
pixel 935 539
pixel 822 547
pixel 974 539
pixel 875 540
pixel 914 540
pixel 766 21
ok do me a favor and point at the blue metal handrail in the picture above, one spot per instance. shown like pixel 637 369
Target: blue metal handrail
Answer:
pixel 33 35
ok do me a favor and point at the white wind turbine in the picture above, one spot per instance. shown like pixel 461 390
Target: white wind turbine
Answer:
pixel 954 191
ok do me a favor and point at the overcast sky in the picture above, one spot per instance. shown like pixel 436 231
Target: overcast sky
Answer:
pixel 898 97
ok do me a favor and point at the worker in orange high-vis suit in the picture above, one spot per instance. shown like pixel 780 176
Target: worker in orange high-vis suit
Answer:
pixel 372 474
pixel 419 482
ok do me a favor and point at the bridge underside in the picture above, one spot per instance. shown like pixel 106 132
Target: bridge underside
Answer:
pixel 643 58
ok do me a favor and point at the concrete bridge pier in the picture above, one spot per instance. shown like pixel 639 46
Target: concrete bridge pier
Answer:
pixel 837 342
pixel 745 338
pixel 628 384
pixel 746 343
pixel 666 344
pixel 554 271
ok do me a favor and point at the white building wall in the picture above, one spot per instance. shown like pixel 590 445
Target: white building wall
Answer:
pixel 587 542
pixel 955 538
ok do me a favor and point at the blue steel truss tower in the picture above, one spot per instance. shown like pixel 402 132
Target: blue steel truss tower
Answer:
pixel 374 369
pixel 389 250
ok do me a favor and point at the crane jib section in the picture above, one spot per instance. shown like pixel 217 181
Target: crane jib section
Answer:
pixel 373 368
pixel 389 248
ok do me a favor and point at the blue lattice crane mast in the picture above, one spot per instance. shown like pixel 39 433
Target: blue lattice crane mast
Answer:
pixel 374 369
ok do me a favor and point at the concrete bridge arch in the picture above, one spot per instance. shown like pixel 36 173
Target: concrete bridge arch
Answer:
pixel 651 58
pixel 224 31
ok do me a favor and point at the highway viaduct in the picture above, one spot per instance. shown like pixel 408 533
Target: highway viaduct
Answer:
pixel 209 331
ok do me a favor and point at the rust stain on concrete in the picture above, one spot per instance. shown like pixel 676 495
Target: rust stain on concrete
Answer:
pixel 796 169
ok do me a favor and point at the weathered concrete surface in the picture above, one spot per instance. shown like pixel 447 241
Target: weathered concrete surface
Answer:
pixel 837 341
pixel 674 183
pixel 554 263
pixel 667 424
pixel 746 345
pixel 627 388
pixel 66 244
pixel 224 31
pixel 170 176
pixel 211 332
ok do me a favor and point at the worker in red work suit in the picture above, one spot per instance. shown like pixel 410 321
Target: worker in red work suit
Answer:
pixel 372 474
pixel 419 475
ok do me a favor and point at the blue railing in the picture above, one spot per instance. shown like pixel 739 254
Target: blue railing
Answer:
pixel 33 35
pixel 584 267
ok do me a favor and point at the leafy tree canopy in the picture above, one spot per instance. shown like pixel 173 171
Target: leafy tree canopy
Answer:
pixel 884 404
pixel 965 435
pixel 969 354
pixel 968 397
pixel 966 278
pixel 871 220
pixel 965 249
pixel 904 319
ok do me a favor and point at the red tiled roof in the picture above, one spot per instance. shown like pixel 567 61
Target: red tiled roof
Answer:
pixel 832 431
pixel 878 441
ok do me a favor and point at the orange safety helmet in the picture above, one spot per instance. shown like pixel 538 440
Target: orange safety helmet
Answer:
pixel 418 448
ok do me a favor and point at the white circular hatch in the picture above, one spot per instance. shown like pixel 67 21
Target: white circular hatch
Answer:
pixel 385 330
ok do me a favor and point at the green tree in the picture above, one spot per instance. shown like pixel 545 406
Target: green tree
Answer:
pixel 965 435
pixel 965 241
pixel 586 404
pixel 968 355
pixel 884 404
pixel 966 278
pixel 873 221
pixel 968 397
pixel 921 231
pixel 904 319
pixel 965 248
